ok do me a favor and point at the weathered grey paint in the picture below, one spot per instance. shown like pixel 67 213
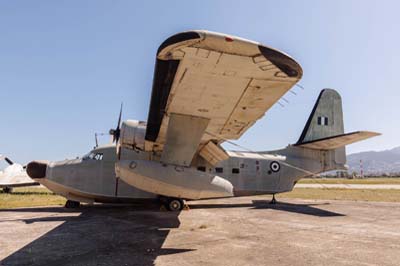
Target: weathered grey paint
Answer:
pixel 243 173
pixel 329 106
pixel 172 180
pixel 90 180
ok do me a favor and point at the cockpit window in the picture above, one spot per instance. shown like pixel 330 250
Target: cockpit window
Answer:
pixel 98 156
pixel 93 156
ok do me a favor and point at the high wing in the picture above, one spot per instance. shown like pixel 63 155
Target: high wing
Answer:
pixel 209 87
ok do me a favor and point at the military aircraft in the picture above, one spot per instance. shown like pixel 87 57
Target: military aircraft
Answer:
pixel 208 88
pixel 13 176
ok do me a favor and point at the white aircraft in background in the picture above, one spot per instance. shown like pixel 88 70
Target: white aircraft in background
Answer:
pixel 13 176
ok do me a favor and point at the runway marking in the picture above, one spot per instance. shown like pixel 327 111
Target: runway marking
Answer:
pixel 350 186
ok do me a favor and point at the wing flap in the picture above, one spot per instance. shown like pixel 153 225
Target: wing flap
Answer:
pixel 213 153
pixel 183 138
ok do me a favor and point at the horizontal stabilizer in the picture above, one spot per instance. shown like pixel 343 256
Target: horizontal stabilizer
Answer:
pixel 334 142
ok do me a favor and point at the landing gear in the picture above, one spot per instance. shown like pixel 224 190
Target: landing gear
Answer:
pixel 172 204
pixel 175 204
pixel 70 204
pixel 273 201
pixel 8 190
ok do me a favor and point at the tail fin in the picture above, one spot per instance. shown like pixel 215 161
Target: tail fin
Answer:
pixel 324 128
pixel 326 118
pixel 324 131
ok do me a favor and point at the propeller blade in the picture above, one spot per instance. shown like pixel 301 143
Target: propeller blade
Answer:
pixel 116 132
pixel 120 115
pixel 8 161
pixel 2 157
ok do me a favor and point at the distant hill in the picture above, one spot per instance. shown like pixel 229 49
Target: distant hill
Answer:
pixel 375 162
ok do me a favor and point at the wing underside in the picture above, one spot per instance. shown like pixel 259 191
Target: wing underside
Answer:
pixel 212 87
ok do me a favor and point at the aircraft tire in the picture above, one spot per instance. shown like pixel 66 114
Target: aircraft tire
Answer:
pixel 8 190
pixel 70 204
pixel 174 204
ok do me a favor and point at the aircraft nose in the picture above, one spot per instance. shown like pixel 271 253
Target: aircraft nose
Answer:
pixel 36 169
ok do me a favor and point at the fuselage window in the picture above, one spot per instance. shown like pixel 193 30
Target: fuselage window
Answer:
pixel 219 170
pixel 88 156
pixel 201 168
pixel 235 171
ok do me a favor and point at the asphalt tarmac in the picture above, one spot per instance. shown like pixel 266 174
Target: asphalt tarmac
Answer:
pixel 236 231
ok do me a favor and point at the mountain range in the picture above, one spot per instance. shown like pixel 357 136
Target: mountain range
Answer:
pixel 375 162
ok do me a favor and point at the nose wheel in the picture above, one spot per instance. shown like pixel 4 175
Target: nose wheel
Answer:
pixel 8 190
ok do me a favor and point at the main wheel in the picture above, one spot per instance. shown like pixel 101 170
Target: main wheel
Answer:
pixel 70 204
pixel 174 204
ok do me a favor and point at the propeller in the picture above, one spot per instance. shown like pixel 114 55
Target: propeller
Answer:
pixel 117 131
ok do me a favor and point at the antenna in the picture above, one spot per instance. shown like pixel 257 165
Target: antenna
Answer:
pixel 96 139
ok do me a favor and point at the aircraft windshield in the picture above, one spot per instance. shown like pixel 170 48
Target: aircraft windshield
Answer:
pixel 93 156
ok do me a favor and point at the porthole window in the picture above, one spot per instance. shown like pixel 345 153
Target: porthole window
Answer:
pixel 219 170
pixel 235 171
pixel 201 168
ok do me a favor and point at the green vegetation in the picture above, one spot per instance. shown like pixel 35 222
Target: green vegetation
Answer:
pixel 369 181
pixel 384 195
pixel 29 197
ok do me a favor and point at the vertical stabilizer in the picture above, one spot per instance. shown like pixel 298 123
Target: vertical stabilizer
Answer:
pixel 324 132
pixel 326 118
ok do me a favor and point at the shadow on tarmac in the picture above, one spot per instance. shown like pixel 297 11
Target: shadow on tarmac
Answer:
pixel 100 235
pixel 118 235
pixel 307 209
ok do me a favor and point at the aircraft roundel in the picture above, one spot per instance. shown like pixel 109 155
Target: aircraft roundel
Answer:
pixel 275 166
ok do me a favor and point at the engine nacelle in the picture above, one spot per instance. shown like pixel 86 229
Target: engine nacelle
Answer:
pixel 132 134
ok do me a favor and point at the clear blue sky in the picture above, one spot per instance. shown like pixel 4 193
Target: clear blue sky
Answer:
pixel 65 66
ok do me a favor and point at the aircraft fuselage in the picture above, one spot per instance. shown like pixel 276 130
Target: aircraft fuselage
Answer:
pixel 92 178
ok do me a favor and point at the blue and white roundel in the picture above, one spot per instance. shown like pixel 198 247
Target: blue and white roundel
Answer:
pixel 275 166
